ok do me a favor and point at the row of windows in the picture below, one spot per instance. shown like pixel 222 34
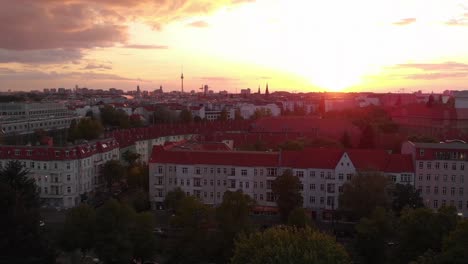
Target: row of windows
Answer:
pixel 244 172
pixel 437 165
pixel 53 190
pixel 459 205
pixel 225 171
pixel 444 190
pixel 453 178
pixel 36 125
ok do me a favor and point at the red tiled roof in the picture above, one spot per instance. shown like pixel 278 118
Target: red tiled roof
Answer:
pixel 47 153
pixel 380 160
pixel 325 158
pixel 364 159
pixel 319 158
pixel 228 158
pixel 400 163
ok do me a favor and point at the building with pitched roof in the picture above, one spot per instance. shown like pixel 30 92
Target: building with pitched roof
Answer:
pixel 441 171
pixel 63 174
pixel 322 171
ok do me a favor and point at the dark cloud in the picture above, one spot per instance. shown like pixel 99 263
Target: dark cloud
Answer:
pixel 32 25
pixel 22 75
pixel 405 21
pixel 51 56
pixel 199 24
pixel 142 46
pixel 51 24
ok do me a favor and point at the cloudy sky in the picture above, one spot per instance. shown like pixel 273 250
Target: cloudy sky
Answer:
pixel 295 45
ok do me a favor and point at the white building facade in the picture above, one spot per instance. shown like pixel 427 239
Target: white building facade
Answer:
pixel 24 118
pixel 322 172
pixel 441 171
pixel 63 174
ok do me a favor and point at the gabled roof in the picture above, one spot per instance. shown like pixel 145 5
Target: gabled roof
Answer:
pixel 227 158
pixel 324 158
pixel 313 158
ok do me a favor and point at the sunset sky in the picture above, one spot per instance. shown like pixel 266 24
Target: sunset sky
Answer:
pixel 301 46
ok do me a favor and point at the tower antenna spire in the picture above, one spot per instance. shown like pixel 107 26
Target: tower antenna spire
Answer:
pixel 182 78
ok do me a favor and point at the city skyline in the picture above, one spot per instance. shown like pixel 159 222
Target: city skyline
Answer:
pixel 298 46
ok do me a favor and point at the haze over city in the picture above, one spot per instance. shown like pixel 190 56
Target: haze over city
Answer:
pixel 300 46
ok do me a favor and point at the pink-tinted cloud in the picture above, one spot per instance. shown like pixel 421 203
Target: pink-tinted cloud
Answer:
pixel 446 66
pixel 94 66
pixel 25 75
pixel 405 21
pixel 36 25
pixel 85 24
pixel 143 46
pixel 51 56
pixel 433 71
pixel 199 24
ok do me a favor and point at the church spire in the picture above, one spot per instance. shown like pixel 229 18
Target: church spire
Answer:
pixel 266 90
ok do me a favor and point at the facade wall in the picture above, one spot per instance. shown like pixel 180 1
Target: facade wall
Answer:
pixel 61 182
pixel 320 186
pixel 441 173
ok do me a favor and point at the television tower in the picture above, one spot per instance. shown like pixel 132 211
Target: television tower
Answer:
pixel 182 80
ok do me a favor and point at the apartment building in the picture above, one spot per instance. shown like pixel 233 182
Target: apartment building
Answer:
pixel 441 171
pixel 322 172
pixel 63 174
pixel 24 118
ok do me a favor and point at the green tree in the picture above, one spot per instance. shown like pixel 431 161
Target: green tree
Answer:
pixel 373 235
pixel 185 116
pixel 367 138
pixel 137 176
pixel 113 225
pixel 224 115
pixel 422 229
pixel 292 145
pixel 346 140
pixel 130 157
pixel 430 101
pixel 87 129
pixel 429 257
pixel 233 214
pixel 233 218
pixel 405 195
pixel 173 199
pixel 162 115
pixel 238 115
pixel 195 243
pixel 288 245
pixel 78 229
pixel 363 193
pixel 142 237
pixel 299 218
pixel 455 245
pixel 21 240
pixel 140 201
pixel 112 172
pixel 261 112
pixel 287 189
